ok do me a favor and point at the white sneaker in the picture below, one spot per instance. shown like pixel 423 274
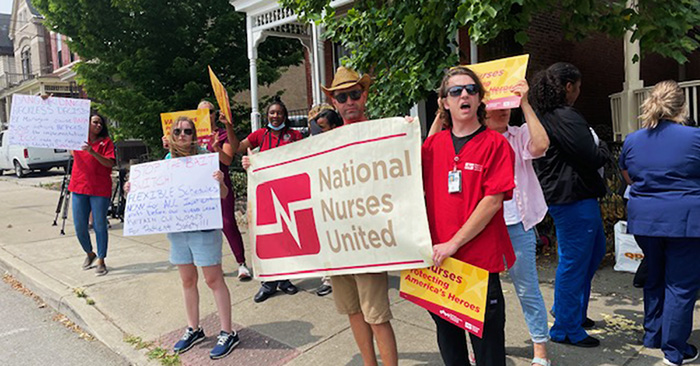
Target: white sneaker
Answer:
pixel 243 273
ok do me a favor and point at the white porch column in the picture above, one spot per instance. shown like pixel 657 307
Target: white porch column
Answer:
pixel 253 40
pixel 315 59
pixel 473 52
pixel 629 111
pixel 320 61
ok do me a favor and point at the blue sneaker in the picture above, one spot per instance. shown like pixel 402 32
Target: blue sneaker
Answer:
pixel 188 340
pixel 225 343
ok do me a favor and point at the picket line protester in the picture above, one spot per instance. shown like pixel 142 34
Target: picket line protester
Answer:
pixel 195 239
pixel 54 123
pixel 468 170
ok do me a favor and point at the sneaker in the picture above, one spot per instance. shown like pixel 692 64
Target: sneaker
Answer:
pixel 101 269
pixel 225 343
pixel 89 260
pixel 244 273
pixel 188 340
pixel 324 289
pixel 687 358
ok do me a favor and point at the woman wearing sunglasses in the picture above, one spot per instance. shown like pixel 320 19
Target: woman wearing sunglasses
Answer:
pixel 571 184
pixel 220 143
pixel 91 188
pixel 192 249
pixel 276 133
pixel 467 173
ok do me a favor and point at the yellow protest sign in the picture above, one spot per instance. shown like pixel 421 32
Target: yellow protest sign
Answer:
pixel 498 77
pixel 199 116
pixel 455 291
pixel 221 95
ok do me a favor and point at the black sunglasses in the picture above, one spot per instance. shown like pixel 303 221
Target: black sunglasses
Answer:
pixel 187 131
pixel 343 97
pixel 455 91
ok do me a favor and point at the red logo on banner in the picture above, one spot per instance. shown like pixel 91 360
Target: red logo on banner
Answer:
pixel 285 221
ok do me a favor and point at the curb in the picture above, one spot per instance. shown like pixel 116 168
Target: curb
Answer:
pixel 61 298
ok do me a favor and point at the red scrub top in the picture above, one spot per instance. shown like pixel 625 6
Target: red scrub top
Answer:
pixel 266 140
pixel 487 165
pixel 88 176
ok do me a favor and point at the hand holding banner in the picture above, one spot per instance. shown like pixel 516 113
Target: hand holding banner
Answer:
pixel 499 77
pixel 455 291
pixel 221 96
pixel 347 201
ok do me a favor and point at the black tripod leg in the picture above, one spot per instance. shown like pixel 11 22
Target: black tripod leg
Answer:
pixel 66 203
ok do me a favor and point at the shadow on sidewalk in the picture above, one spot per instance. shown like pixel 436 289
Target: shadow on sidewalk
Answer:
pixel 295 332
pixel 143 268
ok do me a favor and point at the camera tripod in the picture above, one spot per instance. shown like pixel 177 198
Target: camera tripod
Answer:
pixel 64 198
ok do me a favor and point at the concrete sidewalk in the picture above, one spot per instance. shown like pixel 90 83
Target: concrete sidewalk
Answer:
pixel 141 296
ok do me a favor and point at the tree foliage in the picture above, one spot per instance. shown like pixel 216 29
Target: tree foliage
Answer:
pixel 145 57
pixel 406 44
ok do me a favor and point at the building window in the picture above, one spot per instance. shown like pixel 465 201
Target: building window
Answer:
pixel 72 56
pixel 338 53
pixel 59 47
pixel 26 63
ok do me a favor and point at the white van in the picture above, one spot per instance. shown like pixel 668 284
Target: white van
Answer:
pixel 25 159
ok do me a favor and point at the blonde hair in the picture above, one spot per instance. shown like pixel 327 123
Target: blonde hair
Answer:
pixel 177 151
pixel 313 112
pixel 666 101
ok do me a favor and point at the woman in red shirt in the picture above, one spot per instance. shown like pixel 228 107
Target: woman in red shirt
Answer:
pixel 467 173
pixel 276 133
pixel 91 188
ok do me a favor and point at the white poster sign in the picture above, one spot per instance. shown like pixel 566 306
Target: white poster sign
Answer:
pixel 55 123
pixel 347 201
pixel 173 195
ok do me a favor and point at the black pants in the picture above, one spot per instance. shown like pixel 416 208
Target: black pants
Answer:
pixel 490 350
pixel 272 286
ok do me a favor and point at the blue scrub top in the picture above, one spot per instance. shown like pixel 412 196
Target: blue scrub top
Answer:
pixel 664 165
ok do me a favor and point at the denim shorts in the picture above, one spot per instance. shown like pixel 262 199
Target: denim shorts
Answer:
pixel 203 248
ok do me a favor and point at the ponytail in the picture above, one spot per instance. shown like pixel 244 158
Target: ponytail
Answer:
pixel 666 101
pixel 548 90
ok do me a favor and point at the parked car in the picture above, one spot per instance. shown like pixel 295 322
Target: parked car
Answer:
pixel 299 123
pixel 26 159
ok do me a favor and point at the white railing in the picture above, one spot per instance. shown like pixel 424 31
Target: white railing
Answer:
pixel 692 97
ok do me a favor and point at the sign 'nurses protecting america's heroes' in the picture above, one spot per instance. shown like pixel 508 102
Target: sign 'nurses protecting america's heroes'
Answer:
pixel 347 201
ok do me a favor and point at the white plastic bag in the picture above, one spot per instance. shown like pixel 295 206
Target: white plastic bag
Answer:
pixel 628 255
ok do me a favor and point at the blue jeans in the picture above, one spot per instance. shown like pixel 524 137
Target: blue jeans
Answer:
pixel 526 282
pixel 670 293
pixel 581 247
pixel 82 206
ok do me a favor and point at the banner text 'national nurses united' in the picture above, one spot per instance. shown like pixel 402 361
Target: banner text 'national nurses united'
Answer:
pixel 347 201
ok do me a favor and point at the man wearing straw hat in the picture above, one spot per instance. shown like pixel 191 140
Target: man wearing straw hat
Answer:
pixel 363 297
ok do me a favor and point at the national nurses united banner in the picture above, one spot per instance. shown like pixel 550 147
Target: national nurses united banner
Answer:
pixel 347 201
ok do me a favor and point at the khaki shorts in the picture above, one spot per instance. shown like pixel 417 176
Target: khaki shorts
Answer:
pixel 367 293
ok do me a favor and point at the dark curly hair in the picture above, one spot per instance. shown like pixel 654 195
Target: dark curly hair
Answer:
pixel 548 90
pixel 443 113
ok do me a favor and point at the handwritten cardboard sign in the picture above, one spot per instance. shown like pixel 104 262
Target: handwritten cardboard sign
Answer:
pixel 173 195
pixel 56 123
pixel 200 118
pixel 499 77
pixel 221 95
pixel 347 201
pixel 455 291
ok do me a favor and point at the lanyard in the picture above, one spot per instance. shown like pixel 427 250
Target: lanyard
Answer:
pixel 268 133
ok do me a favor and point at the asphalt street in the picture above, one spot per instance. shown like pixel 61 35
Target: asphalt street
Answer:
pixel 31 335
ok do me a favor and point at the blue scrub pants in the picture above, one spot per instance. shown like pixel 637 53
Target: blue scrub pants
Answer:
pixel 670 293
pixel 581 247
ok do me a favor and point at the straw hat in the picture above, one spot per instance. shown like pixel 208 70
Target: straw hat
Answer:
pixel 346 78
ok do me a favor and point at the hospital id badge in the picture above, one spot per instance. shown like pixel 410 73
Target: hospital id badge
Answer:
pixel 454 182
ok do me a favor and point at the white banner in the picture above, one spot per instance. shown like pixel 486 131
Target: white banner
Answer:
pixel 347 201
pixel 55 123
pixel 173 195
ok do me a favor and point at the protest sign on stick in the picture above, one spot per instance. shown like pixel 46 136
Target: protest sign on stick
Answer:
pixel 173 195
pixel 455 291
pixel 221 96
pixel 199 116
pixel 56 123
pixel 499 77
pixel 347 201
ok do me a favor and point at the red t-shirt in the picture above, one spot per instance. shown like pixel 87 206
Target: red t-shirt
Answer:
pixel 266 140
pixel 487 165
pixel 89 176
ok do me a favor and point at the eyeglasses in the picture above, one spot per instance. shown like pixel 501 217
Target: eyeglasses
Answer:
pixel 455 91
pixel 343 97
pixel 186 131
